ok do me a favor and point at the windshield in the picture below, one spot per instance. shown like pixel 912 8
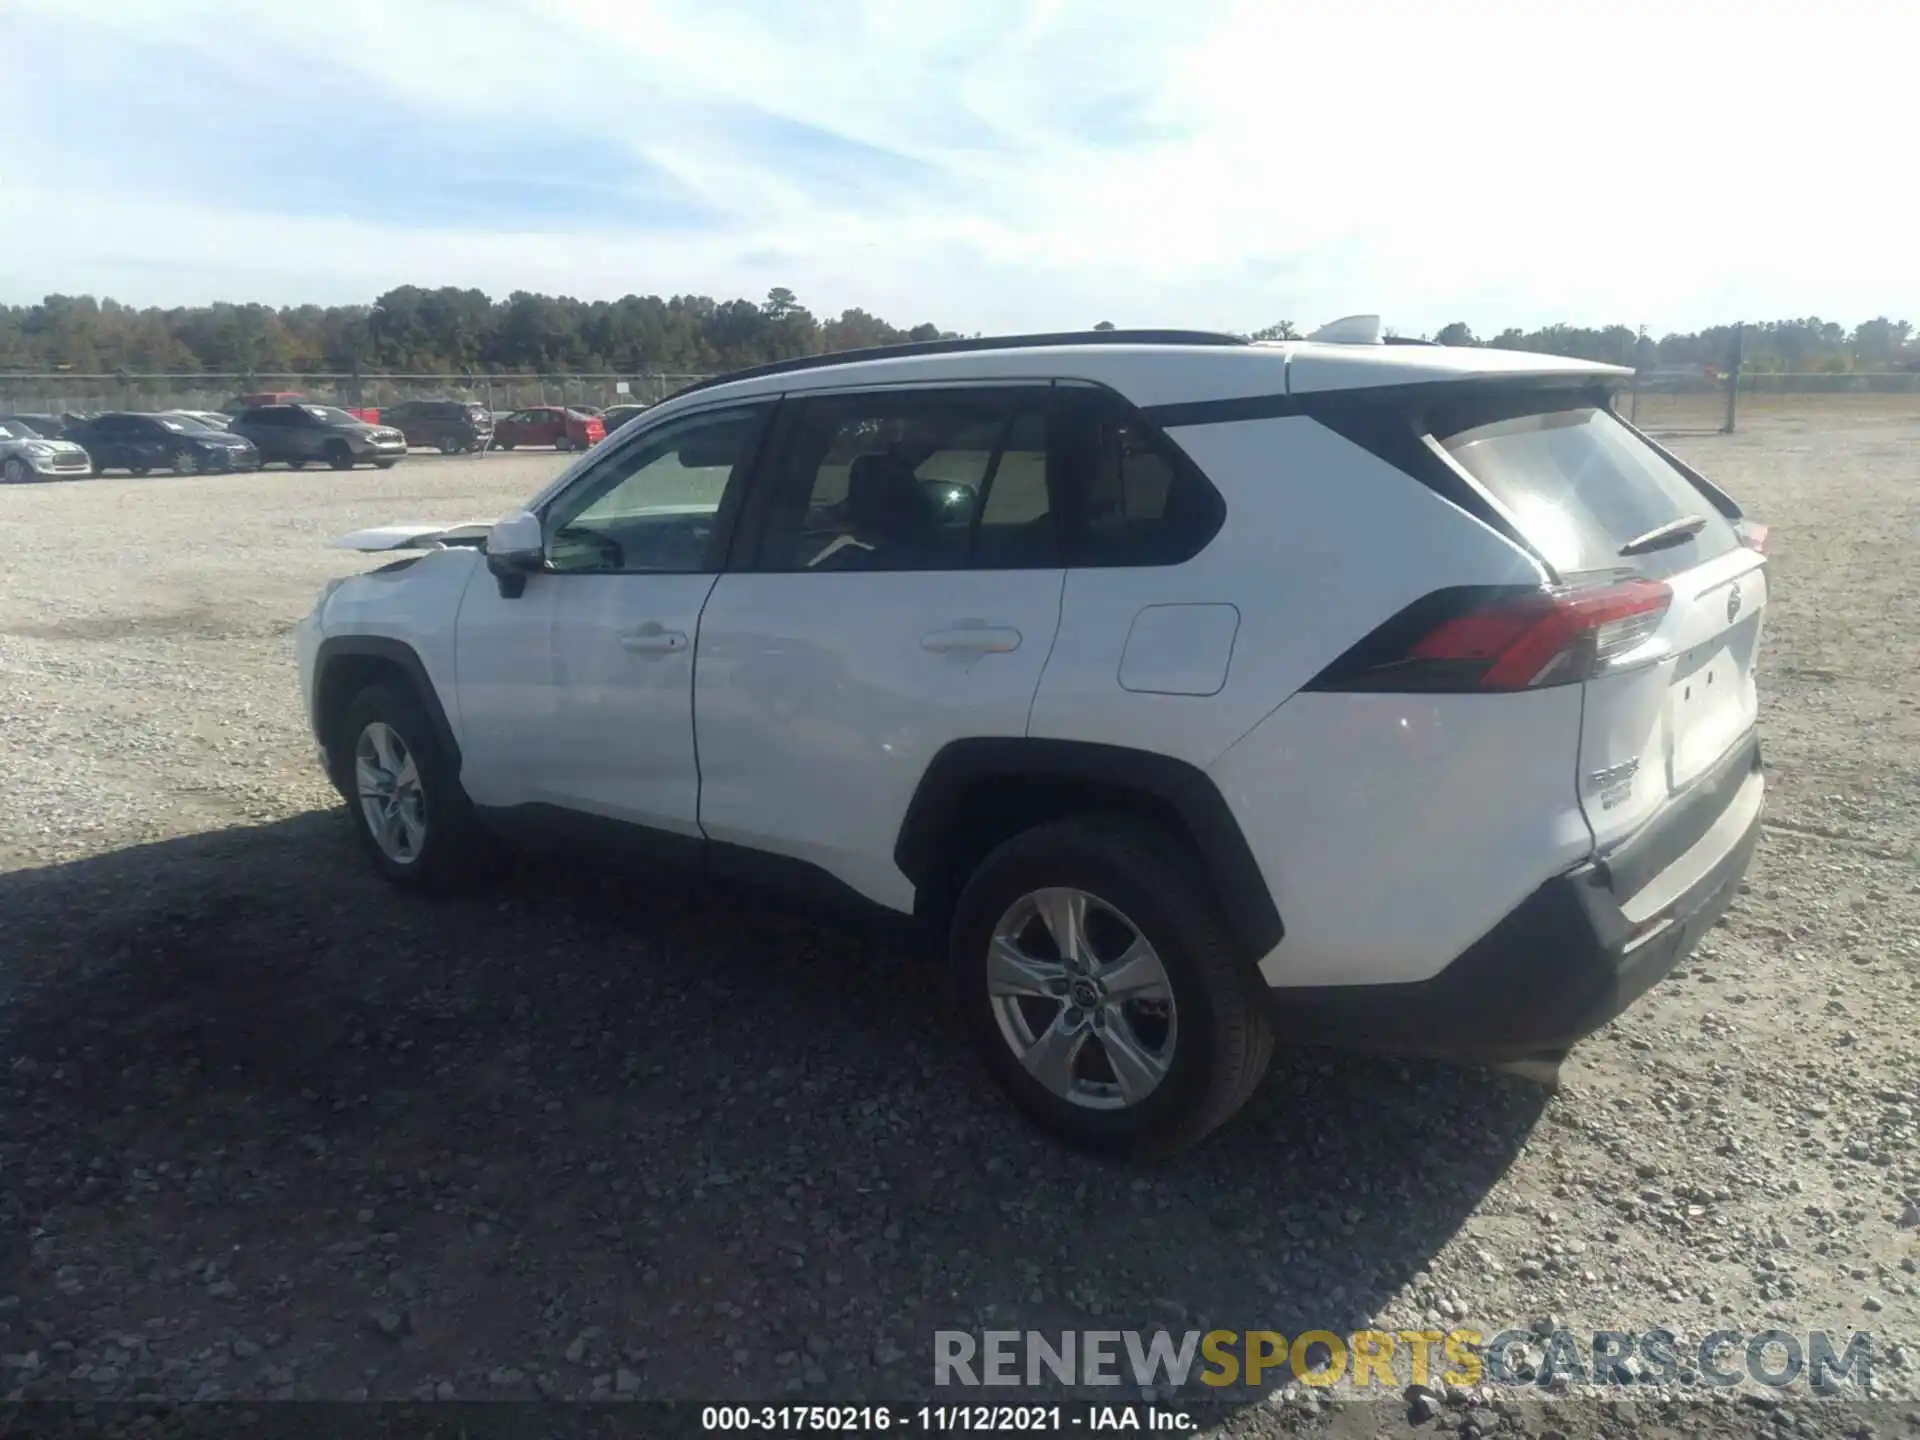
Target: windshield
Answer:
pixel 1581 486
pixel 186 422
pixel 8 432
pixel 329 414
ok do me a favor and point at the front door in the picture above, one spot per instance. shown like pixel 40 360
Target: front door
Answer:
pixel 901 591
pixel 607 627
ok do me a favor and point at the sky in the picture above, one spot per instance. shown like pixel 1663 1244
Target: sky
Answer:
pixel 988 165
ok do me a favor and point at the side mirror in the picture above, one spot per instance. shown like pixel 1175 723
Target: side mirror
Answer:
pixel 516 547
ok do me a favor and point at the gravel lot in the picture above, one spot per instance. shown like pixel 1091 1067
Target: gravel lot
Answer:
pixel 268 1130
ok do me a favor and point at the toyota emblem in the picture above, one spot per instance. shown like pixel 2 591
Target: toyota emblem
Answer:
pixel 1733 604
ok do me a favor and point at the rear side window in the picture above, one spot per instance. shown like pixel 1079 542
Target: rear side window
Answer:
pixel 1583 489
pixel 1137 499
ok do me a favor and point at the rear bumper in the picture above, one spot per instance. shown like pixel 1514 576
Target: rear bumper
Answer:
pixel 1566 960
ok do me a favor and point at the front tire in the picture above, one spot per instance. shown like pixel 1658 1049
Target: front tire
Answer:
pixel 503 444
pixel 1104 989
pixel 16 471
pixel 339 456
pixel 403 791
pixel 139 470
pixel 183 462
pixel 296 464
pixel 450 445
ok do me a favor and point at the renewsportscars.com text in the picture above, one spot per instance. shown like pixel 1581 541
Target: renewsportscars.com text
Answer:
pixel 1392 1359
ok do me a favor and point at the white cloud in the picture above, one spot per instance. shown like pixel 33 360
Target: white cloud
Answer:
pixel 1224 164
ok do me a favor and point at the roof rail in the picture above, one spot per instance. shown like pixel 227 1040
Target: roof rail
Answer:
pixel 961 347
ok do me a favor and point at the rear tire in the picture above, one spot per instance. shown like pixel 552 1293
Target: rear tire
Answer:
pixel 338 455
pixel 403 792
pixel 1195 1042
pixel 296 464
pixel 563 444
pixel 139 470
pixel 385 464
pixel 503 444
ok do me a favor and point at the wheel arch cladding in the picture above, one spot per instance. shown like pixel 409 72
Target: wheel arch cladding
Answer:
pixel 346 664
pixel 977 793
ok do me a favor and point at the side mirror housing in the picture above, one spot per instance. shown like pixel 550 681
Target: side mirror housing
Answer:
pixel 516 547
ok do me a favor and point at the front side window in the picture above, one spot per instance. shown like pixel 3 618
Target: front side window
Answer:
pixel 653 507
pixel 926 480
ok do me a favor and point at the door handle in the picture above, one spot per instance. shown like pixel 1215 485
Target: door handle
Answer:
pixel 972 639
pixel 653 638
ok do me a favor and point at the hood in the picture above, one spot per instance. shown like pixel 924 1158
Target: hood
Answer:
pixel 415 537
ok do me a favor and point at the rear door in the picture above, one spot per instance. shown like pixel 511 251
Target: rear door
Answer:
pixel 1600 504
pixel 266 427
pixel 898 587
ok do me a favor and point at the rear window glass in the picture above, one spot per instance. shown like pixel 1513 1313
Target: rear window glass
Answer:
pixel 1580 486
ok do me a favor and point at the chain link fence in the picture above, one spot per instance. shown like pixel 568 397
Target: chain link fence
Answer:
pixel 1707 402
pixel 1663 401
pixel 61 393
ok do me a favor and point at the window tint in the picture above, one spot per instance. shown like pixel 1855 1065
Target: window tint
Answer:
pixel 653 506
pixel 1137 499
pixel 930 480
pixel 1580 485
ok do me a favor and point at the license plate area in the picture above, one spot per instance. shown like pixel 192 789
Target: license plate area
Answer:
pixel 1711 703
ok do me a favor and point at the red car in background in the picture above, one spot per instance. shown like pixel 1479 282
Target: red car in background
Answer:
pixel 290 397
pixel 549 425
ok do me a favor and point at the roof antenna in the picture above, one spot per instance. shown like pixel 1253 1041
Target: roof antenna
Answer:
pixel 1350 330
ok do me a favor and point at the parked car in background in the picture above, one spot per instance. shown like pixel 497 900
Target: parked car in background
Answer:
pixel 26 454
pixel 47 427
pixel 620 415
pixel 212 419
pixel 295 435
pixel 137 443
pixel 449 426
pixel 562 428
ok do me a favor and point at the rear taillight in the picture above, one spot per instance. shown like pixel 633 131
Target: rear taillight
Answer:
pixel 1502 639
pixel 1753 536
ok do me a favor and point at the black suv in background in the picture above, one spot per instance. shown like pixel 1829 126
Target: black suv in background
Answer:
pixel 449 426
pixel 296 434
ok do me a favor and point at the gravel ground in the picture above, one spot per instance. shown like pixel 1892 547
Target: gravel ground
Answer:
pixel 269 1130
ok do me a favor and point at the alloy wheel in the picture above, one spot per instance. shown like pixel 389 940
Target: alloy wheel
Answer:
pixel 1082 999
pixel 391 801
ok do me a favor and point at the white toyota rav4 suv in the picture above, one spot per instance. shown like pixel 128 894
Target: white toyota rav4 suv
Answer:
pixel 1203 694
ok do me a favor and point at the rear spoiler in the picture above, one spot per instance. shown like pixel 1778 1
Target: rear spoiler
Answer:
pixel 472 534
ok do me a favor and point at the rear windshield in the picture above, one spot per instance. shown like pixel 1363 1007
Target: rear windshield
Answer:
pixel 1580 486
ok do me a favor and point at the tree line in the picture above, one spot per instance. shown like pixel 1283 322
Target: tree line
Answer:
pixel 452 331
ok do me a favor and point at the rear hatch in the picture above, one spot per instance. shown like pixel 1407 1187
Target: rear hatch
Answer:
pixel 1674 705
